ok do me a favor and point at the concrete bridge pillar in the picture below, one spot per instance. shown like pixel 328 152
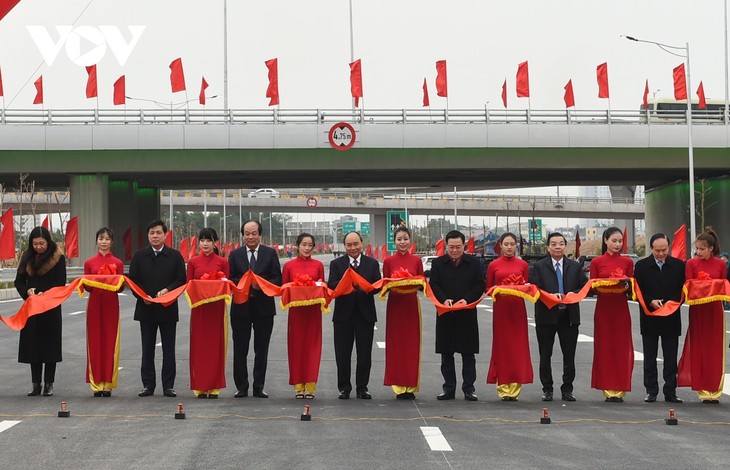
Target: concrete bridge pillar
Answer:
pixel 626 192
pixel 121 205
pixel 378 229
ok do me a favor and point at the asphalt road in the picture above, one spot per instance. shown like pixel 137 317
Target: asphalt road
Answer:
pixel 125 431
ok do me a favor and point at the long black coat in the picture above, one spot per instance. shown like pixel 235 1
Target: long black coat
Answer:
pixel 40 339
pixel 543 276
pixel 457 331
pixel 665 285
pixel 154 273
pixel 369 268
pixel 268 267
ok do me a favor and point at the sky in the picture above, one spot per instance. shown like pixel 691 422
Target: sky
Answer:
pixel 398 41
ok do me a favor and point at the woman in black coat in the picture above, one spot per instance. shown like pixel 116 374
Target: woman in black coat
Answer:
pixel 41 267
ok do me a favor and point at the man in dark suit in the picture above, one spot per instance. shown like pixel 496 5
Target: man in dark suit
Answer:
pixel 660 278
pixel 157 269
pixel 457 278
pixel 257 313
pixel 558 275
pixel 354 318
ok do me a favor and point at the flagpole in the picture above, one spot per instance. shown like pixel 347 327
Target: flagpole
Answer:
pixel 352 48
pixel 225 55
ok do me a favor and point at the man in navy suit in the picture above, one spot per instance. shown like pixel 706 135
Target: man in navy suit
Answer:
pixel 257 313
pixel 557 274
pixel 354 318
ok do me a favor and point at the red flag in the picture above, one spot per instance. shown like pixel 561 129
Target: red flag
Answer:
pixel 168 238
pixel 2 93
pixel 120 91
pixel 44 224
pixel 72 237
pixel 680 83
pixel 523 81
pixel 5 7
pixel 185 248
pixel 602 76
pixel 193 246
pixel 7 236
pixel 679 244
pixel 38 91
pixel 470 245
pixel 203 86
pixel 369 250
pixel 273 89
pixel 141 238
pixel 504 93
pixel 568 96
pixel 577 244
pixel 376 252
pixel 646 95
pixel 356 81
pixel 426 102
pixel 384 252
pixel 127 239
pixel 177 77
pixel 497 248
pixel 91 91
pixel 625 243
pixel 442 87
pixel 440 247
pixel 701 94
pixel 412 249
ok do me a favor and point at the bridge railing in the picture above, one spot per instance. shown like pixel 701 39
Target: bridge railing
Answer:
pixel 358 116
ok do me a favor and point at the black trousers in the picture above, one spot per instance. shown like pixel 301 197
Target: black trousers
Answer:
pixel 359 332
pixel 148 330
pixel 568 338
pixel 241 325
pixel 468 372
pixel 670 345
pixel 36 371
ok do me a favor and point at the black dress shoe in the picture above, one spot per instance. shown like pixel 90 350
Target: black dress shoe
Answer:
pixel 35 391
pixel 343 395
pixel 672 399
pixel 98 394
pixel 364 395
pixel 567 397
pixel 470 396
pixel 260 394
pixel 241 394
pixel 446 396
pixel 146 392
pixel 547 396
pixel 203 395
pixel 48 389
pixel 106 393
pixel 406 396
pixel 168 392
pixel 212 395
pixel 650 398
pixel 614 399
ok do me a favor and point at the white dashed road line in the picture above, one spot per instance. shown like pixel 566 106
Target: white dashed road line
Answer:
pixel 726 385
pixel 584 338
pixel 158 344
pixel 76 313
pixel 436 441
pixel 381 344
pixel 7 424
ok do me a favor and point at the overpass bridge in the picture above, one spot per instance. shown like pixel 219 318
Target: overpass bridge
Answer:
pixel 116 161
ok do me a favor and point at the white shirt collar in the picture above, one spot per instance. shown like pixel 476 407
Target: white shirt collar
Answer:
pixel 352 260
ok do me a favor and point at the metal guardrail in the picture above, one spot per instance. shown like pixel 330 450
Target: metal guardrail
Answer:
pixel 357 116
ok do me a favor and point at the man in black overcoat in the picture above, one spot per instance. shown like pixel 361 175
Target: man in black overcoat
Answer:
pixel 257 313
pixel 157 269
pixel 562 320
pixel 354 318
pixel 660 278
pixel 457 278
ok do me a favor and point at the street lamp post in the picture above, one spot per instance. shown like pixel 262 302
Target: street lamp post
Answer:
pixel 670 49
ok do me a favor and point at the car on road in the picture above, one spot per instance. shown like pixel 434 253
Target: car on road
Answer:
pixel 426 260
pixel 264 193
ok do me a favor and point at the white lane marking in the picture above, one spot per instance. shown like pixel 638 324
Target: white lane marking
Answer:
pixel 158 344
pixel 7 424
pixel 436 441
pixel 584 338
pixel 485 307
pixel 726 385
pixel 122 293
pixel 531 323
pixel 638 356
pixel 375 327
pixel 11 300
pixel 381 344
pixel 76 313
pixel 120 367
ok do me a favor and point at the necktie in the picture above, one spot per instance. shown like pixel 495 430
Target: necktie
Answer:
pixel 252 261
pixel 660 264
pixel 559 275
pixel 354 264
